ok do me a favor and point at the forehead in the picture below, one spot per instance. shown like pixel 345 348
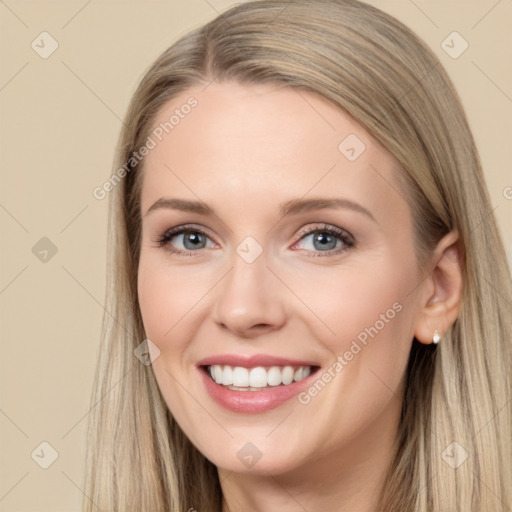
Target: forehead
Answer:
pixel 250 145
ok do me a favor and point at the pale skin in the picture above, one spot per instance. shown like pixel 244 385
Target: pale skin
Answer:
pixel 244 150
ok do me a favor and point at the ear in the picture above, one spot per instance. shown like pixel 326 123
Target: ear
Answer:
pixel 442 295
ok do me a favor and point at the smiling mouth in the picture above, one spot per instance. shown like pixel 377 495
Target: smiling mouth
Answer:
pixel 258 378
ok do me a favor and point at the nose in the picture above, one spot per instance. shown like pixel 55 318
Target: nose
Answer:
pixel 249 300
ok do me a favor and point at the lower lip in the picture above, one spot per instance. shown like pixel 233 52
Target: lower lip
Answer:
pixel 252 402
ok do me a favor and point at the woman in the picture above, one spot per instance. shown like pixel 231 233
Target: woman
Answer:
pixel 307 291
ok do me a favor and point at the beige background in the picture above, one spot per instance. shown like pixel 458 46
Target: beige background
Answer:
pixel 60 118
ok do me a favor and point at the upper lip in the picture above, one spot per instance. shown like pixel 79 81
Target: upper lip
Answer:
pixel 252 361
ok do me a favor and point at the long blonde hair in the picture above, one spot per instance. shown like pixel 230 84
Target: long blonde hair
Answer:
pixel 377 70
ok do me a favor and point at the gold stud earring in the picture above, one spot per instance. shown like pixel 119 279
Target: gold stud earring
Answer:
pixel 436 338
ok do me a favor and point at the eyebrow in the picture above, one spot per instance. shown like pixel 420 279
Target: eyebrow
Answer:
pixel 291 207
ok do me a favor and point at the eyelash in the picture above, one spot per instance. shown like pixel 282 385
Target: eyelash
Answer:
pixel 344 236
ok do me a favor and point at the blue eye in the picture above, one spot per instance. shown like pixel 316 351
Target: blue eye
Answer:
pixel 325 240
pixel 192 239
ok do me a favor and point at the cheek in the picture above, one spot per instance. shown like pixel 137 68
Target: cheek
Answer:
pixel 166 296
pixel 366 323
pixel 154 300
pixel 347 300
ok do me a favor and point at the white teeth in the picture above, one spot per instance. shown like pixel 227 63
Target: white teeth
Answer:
pixel 302 373
pixel 274 376
pixel 288 372
pixel 240 377
pixel 217 374
pixel 227 376
pixel 257 377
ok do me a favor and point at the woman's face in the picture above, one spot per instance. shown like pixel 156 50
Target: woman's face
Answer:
pixel 298 252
